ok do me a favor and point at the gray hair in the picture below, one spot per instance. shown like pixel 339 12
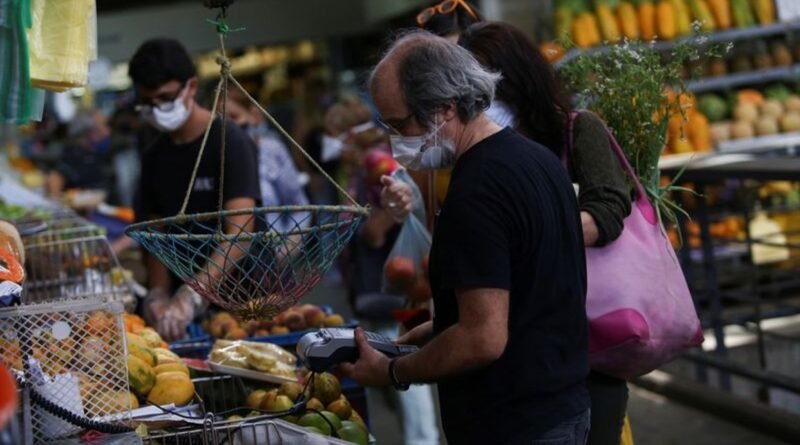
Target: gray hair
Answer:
pixel 434 72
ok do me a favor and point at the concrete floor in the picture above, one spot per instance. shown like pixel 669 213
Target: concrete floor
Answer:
pixel 655 420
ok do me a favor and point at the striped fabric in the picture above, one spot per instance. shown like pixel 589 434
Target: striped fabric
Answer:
pixel 19 102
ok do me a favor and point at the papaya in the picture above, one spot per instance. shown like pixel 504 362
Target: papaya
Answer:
pixel 166 356
pixel 702 13
pixel 665 18
pixel 742 14
pixel 151 337
pixel 172 367
pixel 646 13
pixel 764 10
pixel 683 19
pixel 607 22
pixel 141 376
pixel 628 23
pixel 142 352
pixel 171 387
pixel 721 9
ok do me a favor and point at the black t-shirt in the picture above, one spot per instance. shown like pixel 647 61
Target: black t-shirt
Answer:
pixel 511 221
pixel 167 169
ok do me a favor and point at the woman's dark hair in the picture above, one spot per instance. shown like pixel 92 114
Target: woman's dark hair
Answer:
pixel 159 61
pixel 529 85
pixel 449 24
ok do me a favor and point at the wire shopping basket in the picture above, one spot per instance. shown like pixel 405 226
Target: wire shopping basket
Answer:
pixel 70 359
pixel 253 262
pixel 73 264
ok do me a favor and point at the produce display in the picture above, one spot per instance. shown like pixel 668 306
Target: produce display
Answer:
pixel 298 318
pixel 749 113
pixel 592 23
pixel 755 55
pixel 156 375
pixel 327 410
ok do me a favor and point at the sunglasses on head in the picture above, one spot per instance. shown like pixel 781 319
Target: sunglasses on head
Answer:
pixel 444 8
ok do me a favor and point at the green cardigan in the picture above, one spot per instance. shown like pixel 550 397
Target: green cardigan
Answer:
pixel 605 192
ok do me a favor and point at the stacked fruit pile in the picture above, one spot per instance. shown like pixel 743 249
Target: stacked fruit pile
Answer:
pixel 749 113
pixel 297 318
pixel 154 372
pixel 592 23
pixel 327 410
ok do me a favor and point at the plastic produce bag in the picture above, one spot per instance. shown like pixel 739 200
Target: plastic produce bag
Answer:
pixel 405 267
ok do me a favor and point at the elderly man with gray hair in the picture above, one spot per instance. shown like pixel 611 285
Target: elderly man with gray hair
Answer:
pixel 508 343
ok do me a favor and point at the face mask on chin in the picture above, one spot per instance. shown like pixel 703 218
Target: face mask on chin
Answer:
pixel 172 120
pixel 425 152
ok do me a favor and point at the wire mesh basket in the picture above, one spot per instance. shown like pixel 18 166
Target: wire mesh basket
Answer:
pixel 69 267
pixel 253 269
pixel 72 356
pixel 219 394
pixel 253 262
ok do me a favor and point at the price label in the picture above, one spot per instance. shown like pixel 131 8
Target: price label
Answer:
pixel 788 10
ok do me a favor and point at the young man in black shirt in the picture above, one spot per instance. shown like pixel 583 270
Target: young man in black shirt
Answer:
pixel 166 83
pixel 508 344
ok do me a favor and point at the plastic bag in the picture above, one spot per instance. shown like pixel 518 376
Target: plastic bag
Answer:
pixel 405 271
pixel 61 42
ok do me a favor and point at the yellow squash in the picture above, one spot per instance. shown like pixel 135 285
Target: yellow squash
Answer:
pixel 628 23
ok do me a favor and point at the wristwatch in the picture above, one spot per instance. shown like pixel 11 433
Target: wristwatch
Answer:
pixel 393 377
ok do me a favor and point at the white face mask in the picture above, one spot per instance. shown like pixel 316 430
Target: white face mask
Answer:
pixel 176 115
pixel 332 146
pixel 416 153
pixel 501 114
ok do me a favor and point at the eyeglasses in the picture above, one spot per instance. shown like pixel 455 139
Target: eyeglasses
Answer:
pixel 164 102
pixel 396 126
pixel 444 8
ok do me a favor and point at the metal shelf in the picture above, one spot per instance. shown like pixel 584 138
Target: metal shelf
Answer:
pixel 728 35
pixel 785 141
pixel 778 74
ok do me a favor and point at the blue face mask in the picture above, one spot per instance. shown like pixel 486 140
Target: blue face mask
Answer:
pixel 101 146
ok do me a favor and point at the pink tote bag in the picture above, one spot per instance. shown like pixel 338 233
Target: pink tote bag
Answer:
pixel 641 313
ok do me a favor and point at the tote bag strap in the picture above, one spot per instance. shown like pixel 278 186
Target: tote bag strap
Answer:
pixel 641 194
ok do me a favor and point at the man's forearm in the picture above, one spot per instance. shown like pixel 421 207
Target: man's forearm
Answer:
pixel 452 352
pixel 157 274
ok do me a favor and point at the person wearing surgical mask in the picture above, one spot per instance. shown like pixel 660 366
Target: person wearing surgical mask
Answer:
pixel 363 148
pixel 507 264
pixel 165 82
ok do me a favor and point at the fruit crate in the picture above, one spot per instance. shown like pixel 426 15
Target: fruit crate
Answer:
pixel 221 394
pixel 72 355
pixel 73 267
